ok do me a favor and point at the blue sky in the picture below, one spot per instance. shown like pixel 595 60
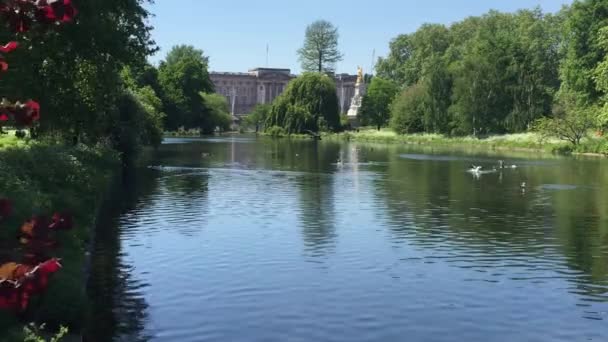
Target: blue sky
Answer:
pixel 234 33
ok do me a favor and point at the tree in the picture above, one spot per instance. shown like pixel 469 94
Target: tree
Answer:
pixel 73 70
pixel 258 116
pixel 182 77
pixel 309 103
pixel 582 49
pixel 219 111
pixel 375 107
pixel 320 51
pixel 601 79
pixel 491 74
pixel 407 113
pixel 571 122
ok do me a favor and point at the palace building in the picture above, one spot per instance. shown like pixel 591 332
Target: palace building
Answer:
pixel 262 85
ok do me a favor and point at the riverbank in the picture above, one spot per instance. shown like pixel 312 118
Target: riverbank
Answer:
pixel 39 179
pixel 516 142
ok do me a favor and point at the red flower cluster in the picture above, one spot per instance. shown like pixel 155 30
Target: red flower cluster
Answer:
pixel 19 282
pixel 38 228
pixel 21 114
pixel 10 46
pixel 20 14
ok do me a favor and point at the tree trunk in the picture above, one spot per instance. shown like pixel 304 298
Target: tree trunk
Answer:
pixel 320 62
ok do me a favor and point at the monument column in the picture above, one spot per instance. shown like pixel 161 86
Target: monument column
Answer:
pixel 355 105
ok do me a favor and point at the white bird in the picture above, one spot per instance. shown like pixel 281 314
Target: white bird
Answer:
pixel 475 168
pixel 523 185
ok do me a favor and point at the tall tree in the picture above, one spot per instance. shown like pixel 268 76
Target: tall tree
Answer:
pixel 182 77
pixel 320 51
pixel 375 105
pixel 583 49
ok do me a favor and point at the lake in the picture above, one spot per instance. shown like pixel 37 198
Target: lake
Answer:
pixel 247 239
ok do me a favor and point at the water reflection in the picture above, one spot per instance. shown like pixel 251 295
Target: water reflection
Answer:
pixel 246 239
pixel 120 312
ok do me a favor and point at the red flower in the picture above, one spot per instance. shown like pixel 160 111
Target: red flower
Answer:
pixel 17 15
pixel 50 267
pixel 35 228
pixel 58 10
pixel 3 117
pixel 61 221
pixel 33 109
pixel 10 46
pixel 3 65
pixel 6 208
pixel 27 113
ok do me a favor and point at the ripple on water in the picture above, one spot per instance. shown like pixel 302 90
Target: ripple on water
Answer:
pixel 273 251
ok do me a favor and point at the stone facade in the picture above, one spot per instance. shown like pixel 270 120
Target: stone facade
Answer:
pixel 263 85
pixel 345 86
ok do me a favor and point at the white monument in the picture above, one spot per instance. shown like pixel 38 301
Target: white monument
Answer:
pixel 355 104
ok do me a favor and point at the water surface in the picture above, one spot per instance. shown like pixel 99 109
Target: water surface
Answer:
pixel 245 239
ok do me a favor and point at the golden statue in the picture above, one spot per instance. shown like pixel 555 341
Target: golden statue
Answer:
pixel 359 75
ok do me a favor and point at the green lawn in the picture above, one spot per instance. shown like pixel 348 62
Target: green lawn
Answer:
pixel 528 141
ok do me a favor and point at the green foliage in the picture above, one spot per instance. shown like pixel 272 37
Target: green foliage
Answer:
pixel 182 77
pixel 258 116
pixel 571 121
pixel 320 51
pixel 583 50
pixel 309 103
pixel 34 333
pixel 344 121
pixel 276 131
pixel 72 179
pixel 408 110
pixel 376 102
pixel 218 110
pixel 139 122
pixel 72 70
pixel 491 74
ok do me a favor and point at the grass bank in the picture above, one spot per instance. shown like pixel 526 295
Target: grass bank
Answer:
pixel 41 178
pixel 521 141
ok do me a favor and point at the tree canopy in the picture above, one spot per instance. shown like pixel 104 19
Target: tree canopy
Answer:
pixel 309 103
pixel 491 74
pixel 182 76
pixel 320 50
pixel 376 102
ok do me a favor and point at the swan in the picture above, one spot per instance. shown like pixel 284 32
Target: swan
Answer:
pixel 475 168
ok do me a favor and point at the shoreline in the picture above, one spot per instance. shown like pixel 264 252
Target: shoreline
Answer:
pixel 523 142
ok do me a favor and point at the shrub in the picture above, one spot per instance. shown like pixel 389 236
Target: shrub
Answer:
pixel 276 131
